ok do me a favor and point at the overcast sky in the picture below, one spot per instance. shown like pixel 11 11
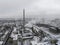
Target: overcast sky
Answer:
pixel 39 8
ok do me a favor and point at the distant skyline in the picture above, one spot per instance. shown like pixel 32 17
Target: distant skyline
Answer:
pixel 33 8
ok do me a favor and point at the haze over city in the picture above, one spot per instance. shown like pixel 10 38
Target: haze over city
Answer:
pixel 33 8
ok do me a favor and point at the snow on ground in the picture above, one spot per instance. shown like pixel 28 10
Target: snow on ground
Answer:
pixel 5 34
pixel 41 43
pixel 14 29
pixel 13 35
pixel 1 42
pixel 51 35
pixel 35 41
pixel 47 32
pixel 3 37
pixel 30 23
pixel 58 42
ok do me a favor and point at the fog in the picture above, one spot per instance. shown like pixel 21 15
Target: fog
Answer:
pixel 33 8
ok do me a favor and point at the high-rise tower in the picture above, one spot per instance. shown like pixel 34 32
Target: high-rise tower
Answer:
pixel 24 19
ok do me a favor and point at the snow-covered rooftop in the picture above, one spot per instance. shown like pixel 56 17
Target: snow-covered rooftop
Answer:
pixel 1 42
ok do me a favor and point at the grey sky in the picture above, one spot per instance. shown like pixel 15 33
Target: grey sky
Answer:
pixel 42 8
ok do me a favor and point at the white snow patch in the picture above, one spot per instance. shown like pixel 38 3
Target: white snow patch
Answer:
pixel 1 42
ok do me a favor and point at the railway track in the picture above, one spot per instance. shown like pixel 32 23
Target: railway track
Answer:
pixel 7 37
